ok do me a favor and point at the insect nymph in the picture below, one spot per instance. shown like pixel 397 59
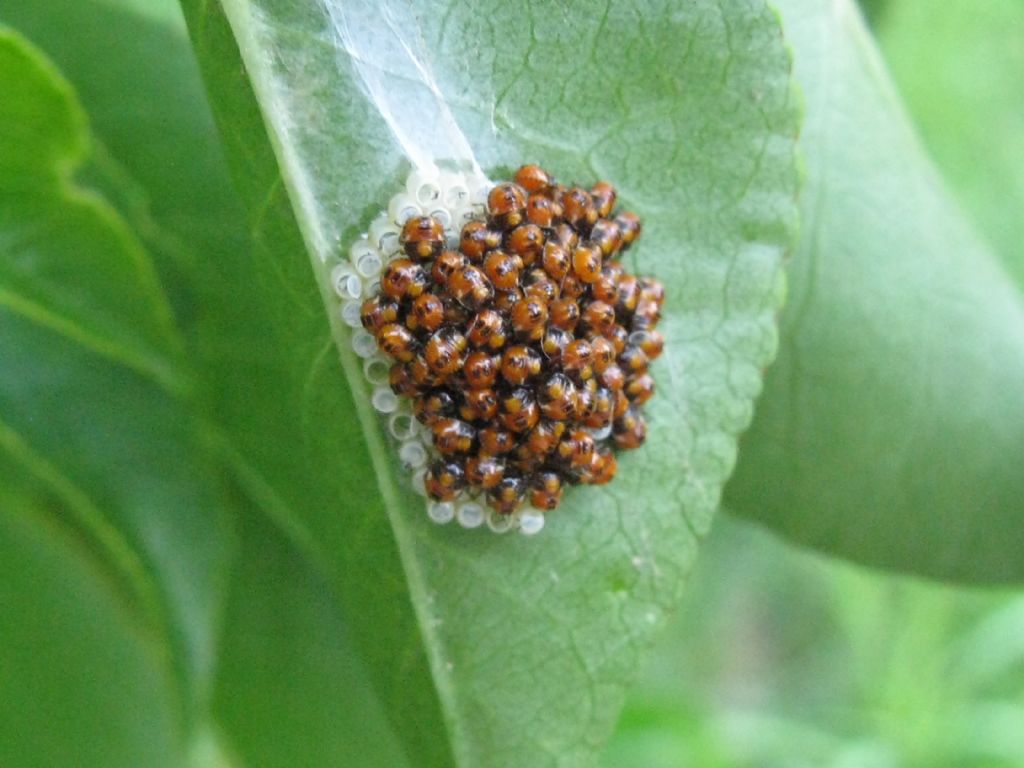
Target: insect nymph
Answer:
pixel 507 343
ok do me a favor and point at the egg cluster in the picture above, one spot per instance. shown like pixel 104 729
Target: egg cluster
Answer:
pixel 508 323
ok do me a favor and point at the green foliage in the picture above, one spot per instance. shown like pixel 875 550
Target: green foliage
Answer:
pixel 288 688
pixel 100 695
pixel 958 66
pixel 98 450
pixel 204 252
pixel 780 657
pixel 891 421
pixel 209 556
pixel 481 602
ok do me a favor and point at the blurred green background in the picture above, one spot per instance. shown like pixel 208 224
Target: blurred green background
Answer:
pixel 781 658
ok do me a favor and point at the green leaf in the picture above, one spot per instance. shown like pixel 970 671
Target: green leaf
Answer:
pixel 530 643
pixel 84 682
pixel 158 160
pixel 958 65
pixel 92 385
pixel 44 139
pixel 290 690
pixel 875 11
pixel 892 424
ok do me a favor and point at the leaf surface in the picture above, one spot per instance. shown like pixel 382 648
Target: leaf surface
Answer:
pixel 892 424
pixel 530 643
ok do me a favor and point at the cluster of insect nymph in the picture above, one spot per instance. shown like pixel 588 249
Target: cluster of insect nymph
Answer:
pixel 506 343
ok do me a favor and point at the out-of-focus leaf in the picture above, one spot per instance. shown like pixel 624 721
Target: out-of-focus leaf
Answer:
pixel 892 424
pixel 156 152
pixel 290 687
pixel 875 10
pixel 92 384
pixel 84 681
pixel 119 54
pixel 958 66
